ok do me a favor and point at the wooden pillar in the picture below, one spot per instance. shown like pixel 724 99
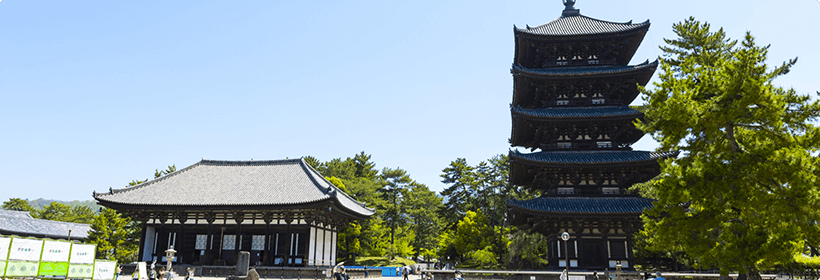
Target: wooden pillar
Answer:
pixel 267 217
pixel 142 242
pixel 209 247
pixel 160 234
pixel 238 217
pixel 179 244
pixel 288 220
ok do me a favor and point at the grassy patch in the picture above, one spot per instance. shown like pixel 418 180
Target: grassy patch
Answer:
pixel 383 261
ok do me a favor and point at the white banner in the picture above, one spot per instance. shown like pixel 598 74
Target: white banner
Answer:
pixel 25 249
pixel 5 242
pixel 104 270
pixel 55 251
pixel 82 253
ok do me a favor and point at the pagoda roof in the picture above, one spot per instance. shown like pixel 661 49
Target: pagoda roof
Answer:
pixel 574 113
pixel 589 157
pixel 578 24
pixel 586 70
pixel 581 205
pixel 209 184
pixel 21 223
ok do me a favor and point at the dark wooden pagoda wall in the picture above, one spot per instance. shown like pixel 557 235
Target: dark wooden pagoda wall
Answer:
pixel 580 135
pixel 542 54
pixel 533 93
pixel 588 180
pixel 593 242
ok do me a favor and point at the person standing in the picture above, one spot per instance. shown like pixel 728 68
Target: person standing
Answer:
pixel 658 276
pixel 564 275
pixel 340 273
pixel 458 275
pixel 190 274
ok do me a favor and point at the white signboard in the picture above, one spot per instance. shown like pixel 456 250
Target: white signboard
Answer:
pixel 104 270
pixel 5 242
pixel 82 253
pixel 142 271
pixel 55 251
pixel 25 249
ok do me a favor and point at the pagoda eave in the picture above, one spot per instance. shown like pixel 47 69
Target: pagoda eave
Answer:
pixel 643 72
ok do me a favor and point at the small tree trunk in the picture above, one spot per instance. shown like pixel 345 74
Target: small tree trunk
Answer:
pixel 753 274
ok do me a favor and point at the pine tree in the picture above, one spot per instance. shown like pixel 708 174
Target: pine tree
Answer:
pixel 743 194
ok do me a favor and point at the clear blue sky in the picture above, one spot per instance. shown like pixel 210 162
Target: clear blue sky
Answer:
pixel 94 94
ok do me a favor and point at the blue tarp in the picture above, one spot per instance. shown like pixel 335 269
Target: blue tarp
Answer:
pixel 386 271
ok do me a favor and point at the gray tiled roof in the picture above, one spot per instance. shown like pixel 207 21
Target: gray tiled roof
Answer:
pixel 581 25
pixel 591 157
pixel 583 205
pixel 236 183
pixel 578 112
pixel 591 70
pixel 21 223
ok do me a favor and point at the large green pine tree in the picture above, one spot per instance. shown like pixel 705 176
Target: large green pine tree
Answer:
pixel 743 196
pixel 115 236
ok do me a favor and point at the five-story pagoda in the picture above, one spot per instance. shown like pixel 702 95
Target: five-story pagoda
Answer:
pixel 571 96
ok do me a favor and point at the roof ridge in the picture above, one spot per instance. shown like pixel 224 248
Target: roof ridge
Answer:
pixel 152 181
pixel 313 172
pixel 249 162
pixel 336 188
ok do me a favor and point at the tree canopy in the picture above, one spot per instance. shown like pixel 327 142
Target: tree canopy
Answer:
pixel 743 194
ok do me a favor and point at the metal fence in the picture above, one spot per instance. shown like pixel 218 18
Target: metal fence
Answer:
pixel 573 275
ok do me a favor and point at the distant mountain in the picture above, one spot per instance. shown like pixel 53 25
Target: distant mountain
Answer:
pixel 41 202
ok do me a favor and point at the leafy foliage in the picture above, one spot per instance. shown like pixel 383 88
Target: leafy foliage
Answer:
pixel 744 142
pixel 405 223
pixel 114 236
pixel 17 204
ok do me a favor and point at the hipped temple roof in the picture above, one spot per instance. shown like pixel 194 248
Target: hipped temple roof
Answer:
pixel 211 183
pixel 582 205
pixel 22 224
pixel 591 157
pixel 577 112
pixel 591 70
pixel 581 25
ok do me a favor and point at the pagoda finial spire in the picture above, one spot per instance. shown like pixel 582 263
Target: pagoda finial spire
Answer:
pixel 569 9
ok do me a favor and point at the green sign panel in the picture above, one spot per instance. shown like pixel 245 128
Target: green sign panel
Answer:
pixel 21 269
pixel 80 270
pixel 53 269
pixel 2 269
